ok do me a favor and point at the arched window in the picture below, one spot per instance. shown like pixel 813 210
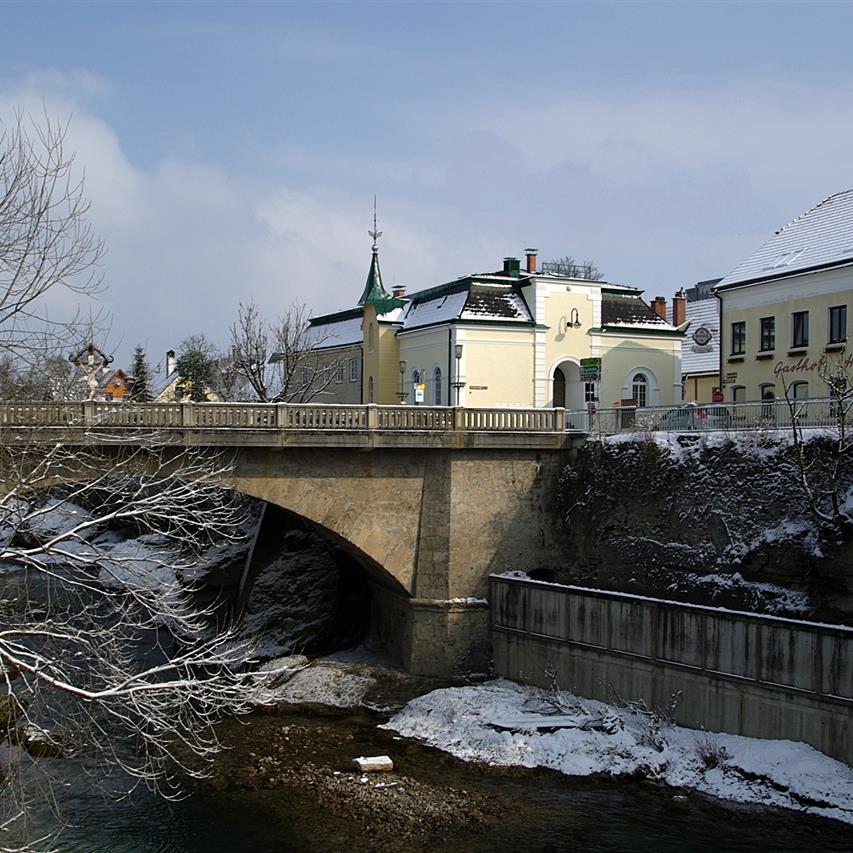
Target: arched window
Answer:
pixel 738 393
pixel 436 381
pixel 639 389
pixel 370 390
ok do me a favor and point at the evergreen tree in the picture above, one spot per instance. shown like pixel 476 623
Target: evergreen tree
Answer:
pixel 138 390
pixel 195 368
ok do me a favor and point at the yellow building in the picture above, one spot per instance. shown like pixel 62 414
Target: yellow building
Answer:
pixel 783 311
pixel 510 338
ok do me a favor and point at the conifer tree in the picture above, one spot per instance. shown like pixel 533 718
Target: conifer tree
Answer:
pixel 138 390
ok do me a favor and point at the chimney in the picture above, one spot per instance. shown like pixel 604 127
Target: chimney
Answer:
pixel 398 291
pixel 531 259
pixel 170 362
pixel 679 308
pixel 659 307
pixel 512 267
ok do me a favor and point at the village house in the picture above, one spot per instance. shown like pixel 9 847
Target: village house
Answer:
pixel 698 308
pixel 511 338
pixel 783 310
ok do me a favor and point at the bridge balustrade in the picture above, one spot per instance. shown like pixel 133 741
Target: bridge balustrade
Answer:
pixel 281 416
pixel 514 420
pixel 415 417
pixel 38 414
pixel 320 417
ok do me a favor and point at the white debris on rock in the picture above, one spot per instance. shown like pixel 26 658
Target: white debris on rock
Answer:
pixel 374 764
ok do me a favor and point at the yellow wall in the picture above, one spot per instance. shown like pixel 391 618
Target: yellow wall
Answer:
pixel 815 293
pixel 497 366
pixel 622 356
pixel 700 389
pixel 423 350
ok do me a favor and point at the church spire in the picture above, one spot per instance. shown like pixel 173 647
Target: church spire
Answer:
pixel 374 292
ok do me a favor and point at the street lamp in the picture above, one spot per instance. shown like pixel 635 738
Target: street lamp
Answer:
pixel 458 384
pixel 401 393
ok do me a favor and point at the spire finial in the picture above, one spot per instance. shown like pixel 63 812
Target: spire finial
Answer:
pixel 375 233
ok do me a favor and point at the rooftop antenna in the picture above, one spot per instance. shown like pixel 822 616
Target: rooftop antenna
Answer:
pixel 375 233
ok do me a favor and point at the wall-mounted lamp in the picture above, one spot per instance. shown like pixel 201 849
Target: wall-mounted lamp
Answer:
pixel 573 320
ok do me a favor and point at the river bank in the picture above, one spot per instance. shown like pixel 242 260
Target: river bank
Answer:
pixel 297 755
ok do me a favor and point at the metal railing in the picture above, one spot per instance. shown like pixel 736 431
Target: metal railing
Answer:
pixel 280 416
pixel 693 418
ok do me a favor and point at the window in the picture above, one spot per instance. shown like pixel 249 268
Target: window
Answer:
pixel 799 391
pixel 739 338
pixel 304 375
pixel 838 324
pixel 639 389
pixel 327 374
pixel 738 393
pixel 800 329
pixel 436 379
pixel 768 400
pixel 339 372
pixel 767 333
pixel 590 392
pixel 353 370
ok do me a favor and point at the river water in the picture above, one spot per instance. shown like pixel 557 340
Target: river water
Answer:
pixel 548 812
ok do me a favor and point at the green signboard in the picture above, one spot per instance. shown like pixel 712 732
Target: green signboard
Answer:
pixel 590 370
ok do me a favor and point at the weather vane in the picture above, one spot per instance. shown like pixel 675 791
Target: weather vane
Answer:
pixel 375 233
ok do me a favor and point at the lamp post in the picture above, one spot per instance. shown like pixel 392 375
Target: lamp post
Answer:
pixel 401 393
pixel 458 384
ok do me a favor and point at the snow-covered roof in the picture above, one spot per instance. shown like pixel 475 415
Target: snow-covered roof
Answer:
pixel 473 301
pixel 820 237
pixel 627 310
pixel 337 332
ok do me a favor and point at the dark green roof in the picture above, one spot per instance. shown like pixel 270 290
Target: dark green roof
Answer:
pixel 374 292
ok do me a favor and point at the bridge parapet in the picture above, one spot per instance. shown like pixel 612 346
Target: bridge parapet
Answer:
pixel 271 424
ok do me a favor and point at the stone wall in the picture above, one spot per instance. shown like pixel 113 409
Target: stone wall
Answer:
pixel 709 520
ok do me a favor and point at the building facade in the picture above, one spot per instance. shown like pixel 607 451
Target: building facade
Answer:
pixel 700 357
pixel 783 311
pixel 510 338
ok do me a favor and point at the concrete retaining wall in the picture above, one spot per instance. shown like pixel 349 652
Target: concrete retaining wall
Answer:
pixel 737 672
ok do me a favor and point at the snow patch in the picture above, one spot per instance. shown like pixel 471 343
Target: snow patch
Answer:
pixel 470 723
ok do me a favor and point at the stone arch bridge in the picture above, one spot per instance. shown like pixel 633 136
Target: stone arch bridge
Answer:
pixel 430 501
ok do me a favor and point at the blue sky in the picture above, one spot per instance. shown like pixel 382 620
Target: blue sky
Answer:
pixel 232 150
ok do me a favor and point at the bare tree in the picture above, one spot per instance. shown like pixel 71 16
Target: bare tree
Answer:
pixel 280 360
pixel 567 265
pixel 46 240
pixel 821 479
pixel 105 655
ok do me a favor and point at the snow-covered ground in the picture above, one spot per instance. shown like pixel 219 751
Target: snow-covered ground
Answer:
pixel 502 723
